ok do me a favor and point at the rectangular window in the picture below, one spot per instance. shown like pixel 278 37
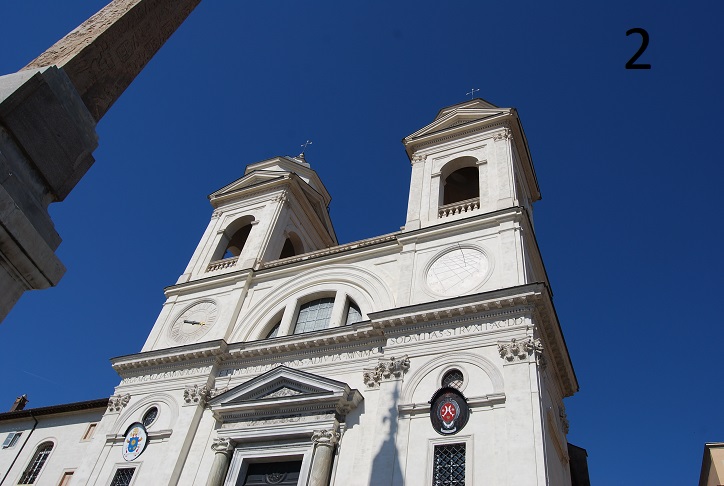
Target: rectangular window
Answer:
pixel 65 480
pixel 281 473
pixel 123 476
pixel 90 431
pixel 11 439
pixel 449 465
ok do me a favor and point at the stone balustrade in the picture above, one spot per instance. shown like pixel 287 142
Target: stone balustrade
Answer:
pixel 222 264
pixel 459 207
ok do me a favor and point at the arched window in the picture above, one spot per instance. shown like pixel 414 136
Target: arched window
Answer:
pixel 314 315
pixel 353 313
pixel 150 416
pixel 453 378
pixel 36 463
pixel 274 331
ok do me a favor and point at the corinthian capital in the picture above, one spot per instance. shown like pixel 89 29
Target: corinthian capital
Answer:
pixel 196 394
pixel 520 349
pixel 389 368
pixel 117 402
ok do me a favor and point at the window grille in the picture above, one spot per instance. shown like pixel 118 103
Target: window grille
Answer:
pixel 123 476
pixel 150 417
pixel 36 464
pixel 449 465
pixel 314 315
pixel 453 378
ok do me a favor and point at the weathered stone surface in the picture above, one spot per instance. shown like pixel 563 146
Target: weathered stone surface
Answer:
pixel 105 53
pixel 50 122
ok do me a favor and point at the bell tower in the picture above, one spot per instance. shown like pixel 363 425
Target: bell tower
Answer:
pixel 278 209
pixel 472 159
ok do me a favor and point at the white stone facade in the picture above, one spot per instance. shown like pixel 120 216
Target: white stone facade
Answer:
pixel 460 288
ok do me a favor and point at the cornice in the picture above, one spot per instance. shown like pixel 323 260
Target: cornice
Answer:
pixel 555 344
pixel 348 247
pixel 210 282
pixel 252 190
pixel 484 401
pixel 465 225
pixel 334 339
pixel 440 311
pixel 499 120
pixel 190 353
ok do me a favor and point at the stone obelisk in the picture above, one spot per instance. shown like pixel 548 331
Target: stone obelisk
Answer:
pixel 48 114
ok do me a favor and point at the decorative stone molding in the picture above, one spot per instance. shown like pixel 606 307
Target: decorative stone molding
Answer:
pixel 564 418
pixel 325 437
pixel 520 350
pixel 282 392
pixel 196 394
pixel 282 198
pixel 418 158
pixel 391 368
pixel 215 392
pixel 222 445
pixel 117 402
pixel 506 134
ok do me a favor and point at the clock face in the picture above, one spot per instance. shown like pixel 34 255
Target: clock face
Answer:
pixel 195 321
pixel 457 271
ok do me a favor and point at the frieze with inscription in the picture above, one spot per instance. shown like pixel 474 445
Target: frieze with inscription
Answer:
pixel 299 363
pixel 457 331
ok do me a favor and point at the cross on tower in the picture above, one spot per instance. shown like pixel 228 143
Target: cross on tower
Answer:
pixel 304 145
pixel 472 92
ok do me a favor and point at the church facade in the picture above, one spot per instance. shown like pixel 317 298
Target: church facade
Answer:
pixel 432 355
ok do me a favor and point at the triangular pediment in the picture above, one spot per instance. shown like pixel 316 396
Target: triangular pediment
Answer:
pixel 284 388
pixel 250 179
pixel 274 169
pixel 456 117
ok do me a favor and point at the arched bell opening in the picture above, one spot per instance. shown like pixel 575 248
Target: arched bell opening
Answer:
pixel 234 238
pixel 460 187
pixel 292 246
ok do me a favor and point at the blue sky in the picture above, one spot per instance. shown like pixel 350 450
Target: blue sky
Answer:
pixel 628 163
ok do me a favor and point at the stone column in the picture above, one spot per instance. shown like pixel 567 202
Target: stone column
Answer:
pixel 324 442
pixel 223 449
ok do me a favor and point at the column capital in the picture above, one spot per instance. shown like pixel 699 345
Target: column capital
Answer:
pixel 223 445
pixel 327 437
pixel 117 402
pixel 194 394
pixel 386 369
pixel 520 349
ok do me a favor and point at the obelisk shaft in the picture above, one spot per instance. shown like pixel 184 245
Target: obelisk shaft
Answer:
pixel 105 53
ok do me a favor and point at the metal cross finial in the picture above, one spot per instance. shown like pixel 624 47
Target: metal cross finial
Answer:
pixel 472 92
pixel 304 145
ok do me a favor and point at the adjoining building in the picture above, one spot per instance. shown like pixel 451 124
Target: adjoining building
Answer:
pixel 432 355
pixel 712 465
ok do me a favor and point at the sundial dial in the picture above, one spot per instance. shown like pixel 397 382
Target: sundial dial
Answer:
pixel 457 271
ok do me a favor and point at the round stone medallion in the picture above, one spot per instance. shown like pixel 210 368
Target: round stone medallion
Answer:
pixel 457 271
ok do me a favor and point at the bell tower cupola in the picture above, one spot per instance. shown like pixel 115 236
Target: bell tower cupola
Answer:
pixel 472 159
pixel 278 209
